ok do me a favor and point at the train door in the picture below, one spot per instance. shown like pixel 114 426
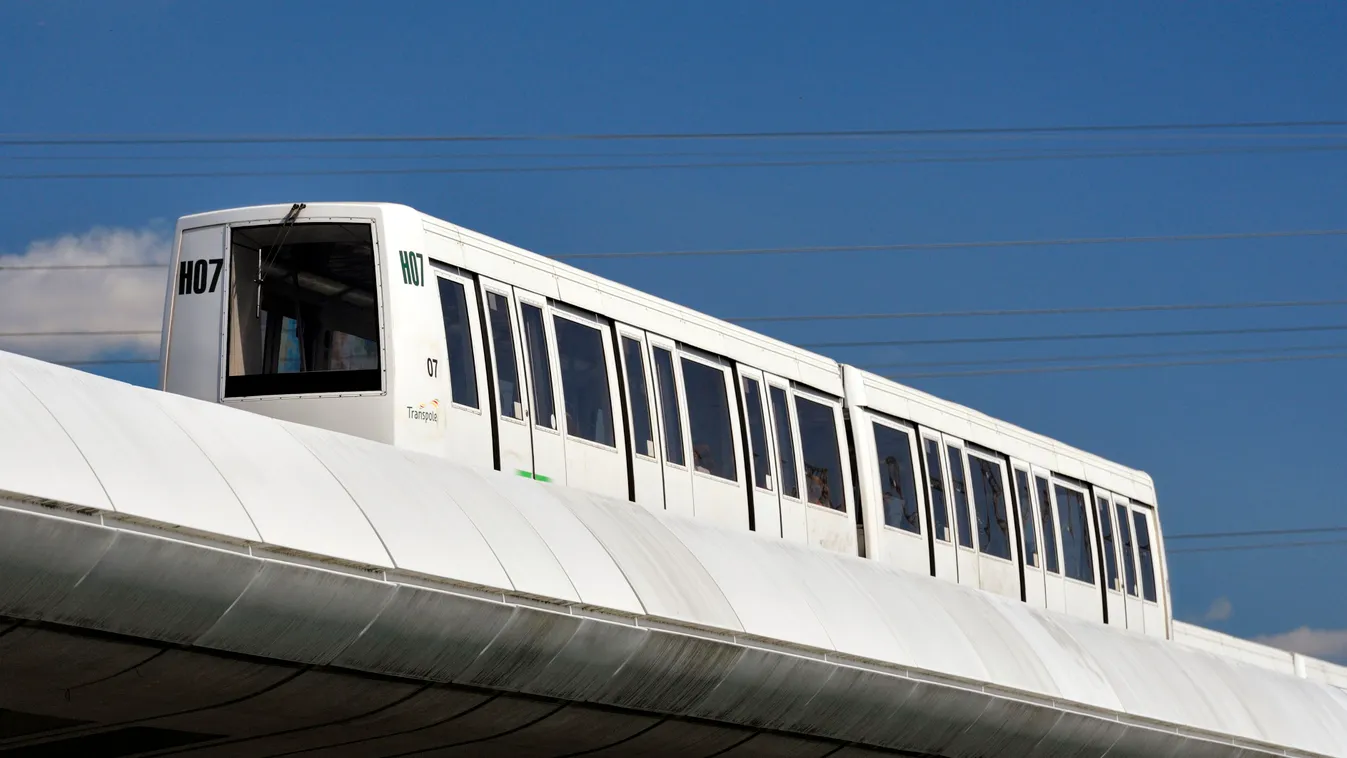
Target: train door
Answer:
pixel 1031 536
pixel 998 552
pixel 541 381
pixel 1127 556
pixel 591 418
pixel 513 436
pixel 716 449
pixel 1054 583
pixel 896 526
pixel 766 502
pixel 830 507
pixel 1075 524
pixel 1114 604
pixel 677 474
pixel 943 518
pixel 647 455
pixel 961 501
pixel 465 407
pixel 783 423
pixel 1150 566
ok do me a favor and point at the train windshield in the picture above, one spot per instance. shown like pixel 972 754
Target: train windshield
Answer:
pixel 303 312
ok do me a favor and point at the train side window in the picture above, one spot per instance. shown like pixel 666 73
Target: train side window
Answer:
pixel 1049 526
pixel 1076 553
pixel 989 496
pixel 709 420
pixel 458 336
pixel 669 409
pixel 960 496
pixel 640 401
pixel 822 456
pixel 584 382
pixel 785 441
pixel 502 348
pixel 1143 537
pixel 897 479
pixel 1110 547
pixel 1026 495
pixel 535 341
pixel 757 432
pixel 935 474
pixel 1129 555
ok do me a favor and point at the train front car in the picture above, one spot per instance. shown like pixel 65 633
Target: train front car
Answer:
pixel 284 310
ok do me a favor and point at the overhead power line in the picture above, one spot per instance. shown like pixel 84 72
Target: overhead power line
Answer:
pixel 1040 311
pixel 1079 336
pixel 1255 533
pixel 888 247
pixel 1167 153
pixel 1103 356
pixel 21 139
pixel 989 244
pixel 1257 546
pixel 86 333
pixel 83 266
pixel 1115 366
pixel 721 153
pixel 106 362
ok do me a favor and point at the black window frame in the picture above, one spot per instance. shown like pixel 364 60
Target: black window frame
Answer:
pixel 700 417
pixel 541 385
pixel 670 407
pixel 638 397
pixel 759 446
pixel 608 431
pixel 905 469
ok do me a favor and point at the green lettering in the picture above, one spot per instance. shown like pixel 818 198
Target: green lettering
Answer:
pixel 406 267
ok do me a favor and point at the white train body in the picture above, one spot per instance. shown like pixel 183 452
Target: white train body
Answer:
pixel 376 320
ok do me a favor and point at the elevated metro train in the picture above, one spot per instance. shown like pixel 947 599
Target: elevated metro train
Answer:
pixel 379 321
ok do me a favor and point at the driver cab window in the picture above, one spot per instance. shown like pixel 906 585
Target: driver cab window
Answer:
pixel 303 310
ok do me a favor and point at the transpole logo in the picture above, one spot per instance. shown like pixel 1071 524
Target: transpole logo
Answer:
pixel 425 411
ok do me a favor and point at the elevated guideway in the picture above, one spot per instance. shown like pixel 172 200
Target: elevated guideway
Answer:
pixel 181 578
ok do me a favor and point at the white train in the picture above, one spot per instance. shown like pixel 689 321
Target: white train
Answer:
pixel 379 321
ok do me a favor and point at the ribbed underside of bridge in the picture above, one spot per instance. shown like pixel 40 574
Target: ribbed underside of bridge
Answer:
pixel 69 692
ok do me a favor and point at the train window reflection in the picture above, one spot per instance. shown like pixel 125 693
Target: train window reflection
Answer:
pixel 961 512
pixel 458 336
pixel 1026 496
pixel 822 456
pixel 642 433
pixel 709 420
pixel 1049 526
pixel 757 432
pixel 1077 556
pixel 584 381
pixel 1143 537
pixel 935 475
pixel 989 494
pixel 1110 546
pixel 502 348
pixel 897 479
pixel 785 443
pixel 1129 554
pixel 535 339
pixel 669 408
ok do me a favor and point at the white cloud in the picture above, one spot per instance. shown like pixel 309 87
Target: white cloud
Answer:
pixel 89 299
pixel 1220 610
pixel 1329 644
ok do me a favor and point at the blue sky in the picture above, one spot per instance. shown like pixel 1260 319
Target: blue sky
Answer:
pixel 1230 447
